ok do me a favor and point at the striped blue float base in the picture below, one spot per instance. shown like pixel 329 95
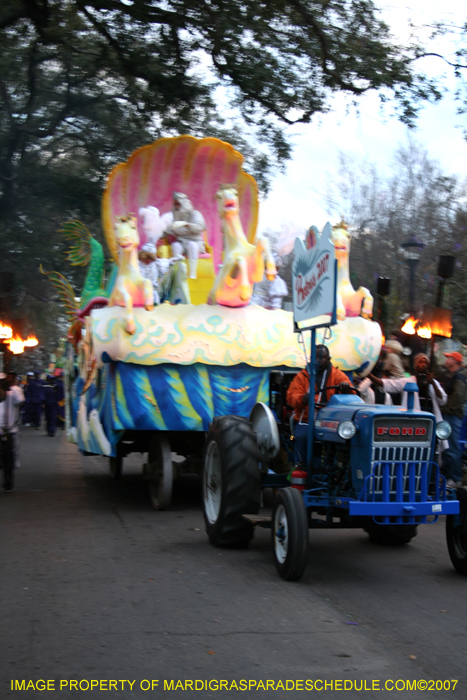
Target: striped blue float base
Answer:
pixel 127 396
pixel 182 397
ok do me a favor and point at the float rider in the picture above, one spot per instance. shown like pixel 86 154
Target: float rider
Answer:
pixel 188 227
pixel 298 394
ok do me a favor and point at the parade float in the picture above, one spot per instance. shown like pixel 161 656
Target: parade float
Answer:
pixel 156 357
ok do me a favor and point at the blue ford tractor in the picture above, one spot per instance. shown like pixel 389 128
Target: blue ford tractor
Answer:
pixel 365 466
pixel 373 467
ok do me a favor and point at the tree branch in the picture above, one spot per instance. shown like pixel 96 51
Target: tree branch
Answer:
pixel 438 55
pixel 322 38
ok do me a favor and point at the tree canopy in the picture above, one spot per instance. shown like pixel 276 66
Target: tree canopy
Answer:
pixel 91 78
pixel 85 82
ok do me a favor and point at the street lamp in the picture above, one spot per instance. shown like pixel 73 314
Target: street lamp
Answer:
pixel 446 268
pixel 413 248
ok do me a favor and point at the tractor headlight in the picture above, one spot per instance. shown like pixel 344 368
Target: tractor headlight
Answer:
pixel 443 430
pixel 346 429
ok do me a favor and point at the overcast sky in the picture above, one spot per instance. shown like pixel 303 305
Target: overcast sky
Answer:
pixel 295 202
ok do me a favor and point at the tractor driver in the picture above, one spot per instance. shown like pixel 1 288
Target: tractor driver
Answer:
pixel 298 393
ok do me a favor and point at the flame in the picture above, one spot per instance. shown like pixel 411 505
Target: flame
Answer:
pixel 438 329
pixel 409 326
pixel 31 341
pixel 16 345
pixel 5 332
pixel 425 329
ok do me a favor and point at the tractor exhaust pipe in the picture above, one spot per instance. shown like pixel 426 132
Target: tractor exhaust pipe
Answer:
pixel 410 388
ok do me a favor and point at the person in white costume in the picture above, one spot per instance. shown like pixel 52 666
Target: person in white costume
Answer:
pixel 188 226
pixel 270 294
pixel 366 392
pixel 148 267
pixel 154 224
pixel 277 288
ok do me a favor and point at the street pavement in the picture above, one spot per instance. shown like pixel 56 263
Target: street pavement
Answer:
pixel 97 586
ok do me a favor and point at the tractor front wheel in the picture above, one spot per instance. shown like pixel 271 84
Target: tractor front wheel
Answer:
pixel 391 535
pixel 456 534
pixel 231 481
pixel 289 530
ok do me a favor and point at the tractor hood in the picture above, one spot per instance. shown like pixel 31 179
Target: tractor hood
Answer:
pixel 373 422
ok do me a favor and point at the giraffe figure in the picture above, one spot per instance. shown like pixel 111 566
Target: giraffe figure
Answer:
pixel 130 289
pixel 350 302
pixel 243 261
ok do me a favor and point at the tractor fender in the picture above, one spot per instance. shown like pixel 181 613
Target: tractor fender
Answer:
pixel 266 431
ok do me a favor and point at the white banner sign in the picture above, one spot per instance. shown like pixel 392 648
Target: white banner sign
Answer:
pixel 314 284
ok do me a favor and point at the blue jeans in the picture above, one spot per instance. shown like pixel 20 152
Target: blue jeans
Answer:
pixel 452 457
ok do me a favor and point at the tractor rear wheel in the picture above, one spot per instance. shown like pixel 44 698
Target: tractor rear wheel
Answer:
pixel 391 535
pixel 289 534
pixel 231 481
pixel 456 534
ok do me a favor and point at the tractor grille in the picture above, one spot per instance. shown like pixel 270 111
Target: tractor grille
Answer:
pixel 399 476
pixel 403 482
pixel 400 454
pixel 398 471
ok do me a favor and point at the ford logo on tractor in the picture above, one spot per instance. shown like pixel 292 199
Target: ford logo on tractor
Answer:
pixel 401 430
pixel 384 430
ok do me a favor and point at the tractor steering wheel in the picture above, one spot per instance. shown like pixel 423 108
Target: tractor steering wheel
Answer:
pixel 337 386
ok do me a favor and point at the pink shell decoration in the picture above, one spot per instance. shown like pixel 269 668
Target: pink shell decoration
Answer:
pixel 185 164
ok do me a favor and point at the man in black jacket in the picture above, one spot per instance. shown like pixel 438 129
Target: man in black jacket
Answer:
pixel 454 384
